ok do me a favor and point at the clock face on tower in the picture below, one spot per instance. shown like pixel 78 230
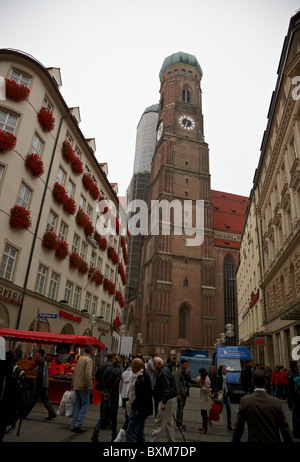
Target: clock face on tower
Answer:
pixel 159 131
pixel 186 122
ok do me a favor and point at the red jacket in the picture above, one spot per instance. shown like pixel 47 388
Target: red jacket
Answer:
pixel 279 378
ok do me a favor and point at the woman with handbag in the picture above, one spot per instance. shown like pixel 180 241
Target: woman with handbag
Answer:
pixel 221 394
pixel 205 397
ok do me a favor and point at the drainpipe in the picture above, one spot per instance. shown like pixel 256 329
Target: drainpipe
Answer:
pixel 39 219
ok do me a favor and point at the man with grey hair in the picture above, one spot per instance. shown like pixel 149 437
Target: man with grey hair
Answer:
pixel 164 393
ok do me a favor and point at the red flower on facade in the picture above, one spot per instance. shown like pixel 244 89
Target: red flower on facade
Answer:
pixel 19 217
pixel 109 286
pixel 124 250
pixel 119 298
pixel 77 262
pixel 67 151
pixel 122 273
pixel 7 141
pixel 34 163
pixel 62 250
pixel 46 119
pixel 77 165
pixel 102 242
pixel 117 324
pixel 74 260
pixel 69 205
pixel 15 91
pixel 50 240
pixel 59 193
pixel 96 276
pixel 90 185
pixel 112 254
pixel 82 220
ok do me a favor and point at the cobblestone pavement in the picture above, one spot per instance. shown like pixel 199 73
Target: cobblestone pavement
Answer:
pixel 36 430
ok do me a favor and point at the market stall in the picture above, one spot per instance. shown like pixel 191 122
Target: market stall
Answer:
pixel 60 373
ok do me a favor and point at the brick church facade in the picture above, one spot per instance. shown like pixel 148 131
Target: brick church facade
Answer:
pixel 187 293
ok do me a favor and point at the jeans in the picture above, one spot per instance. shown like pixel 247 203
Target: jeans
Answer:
pixel 180 407
pixel 104 414
pixel 81 404
pixel 135 431
pixel 226 401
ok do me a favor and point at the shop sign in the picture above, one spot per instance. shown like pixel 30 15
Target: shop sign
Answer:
pixel 48 315
pixel 10 296
pixel 104 327
pixel 93 241
pixel 254 298
pixel 64 314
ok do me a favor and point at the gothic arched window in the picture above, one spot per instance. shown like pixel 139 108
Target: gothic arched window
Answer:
pixel 182 322
pixel 230 303
pixel 186 95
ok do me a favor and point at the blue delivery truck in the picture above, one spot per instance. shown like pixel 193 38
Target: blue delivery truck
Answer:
pixel 196 360
pixel 234 358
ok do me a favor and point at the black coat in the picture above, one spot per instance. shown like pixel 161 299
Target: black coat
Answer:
pixel 143 396
pixel 164 388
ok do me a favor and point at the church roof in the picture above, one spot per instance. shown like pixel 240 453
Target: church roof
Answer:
pixel 180 57
pixel 228 216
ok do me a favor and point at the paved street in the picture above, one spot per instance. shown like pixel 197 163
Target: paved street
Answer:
pixel 36 429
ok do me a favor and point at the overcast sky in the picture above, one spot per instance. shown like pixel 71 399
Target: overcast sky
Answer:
pixel 110 54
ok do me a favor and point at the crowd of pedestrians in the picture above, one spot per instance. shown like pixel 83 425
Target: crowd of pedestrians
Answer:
pixel 160 387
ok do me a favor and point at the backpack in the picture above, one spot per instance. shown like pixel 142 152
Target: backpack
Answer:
pixel 13 398
pixel 297 386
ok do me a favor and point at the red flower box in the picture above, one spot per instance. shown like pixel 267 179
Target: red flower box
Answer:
pixel 81 218
pixel 46 119
pixel 19 217
pixel 74 260
pixel 90 186
pixel 122 273
pixel 109 286
pixel 34 163
pixel 83 267
pixel 15 91
pixel 67 151
pixel 77 165
pixel 119 298
pixel 112 254
pixel 7 141
pixel 59 193
pixel 102 242
pixel 70 206
pixel 96 276
pixel 117 324
pixel 50 240
pixel 87 181
pixel 62 250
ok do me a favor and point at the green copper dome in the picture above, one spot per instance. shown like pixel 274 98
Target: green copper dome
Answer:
pixel 153 108
pixel 180 57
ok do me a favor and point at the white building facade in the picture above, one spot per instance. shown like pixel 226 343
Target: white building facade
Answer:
pixel 61 269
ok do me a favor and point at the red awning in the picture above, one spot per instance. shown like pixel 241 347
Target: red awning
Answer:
pixel 49 338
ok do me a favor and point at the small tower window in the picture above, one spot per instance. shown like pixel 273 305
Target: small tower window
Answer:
pixel 186 96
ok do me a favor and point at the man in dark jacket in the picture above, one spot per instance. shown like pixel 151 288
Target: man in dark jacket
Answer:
pixel 164 393
pixel 182 379
pixel 140 399
pixel 111 380
pixel 40 388
pixel 264 415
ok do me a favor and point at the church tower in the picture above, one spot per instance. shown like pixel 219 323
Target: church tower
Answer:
pixel 176 302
